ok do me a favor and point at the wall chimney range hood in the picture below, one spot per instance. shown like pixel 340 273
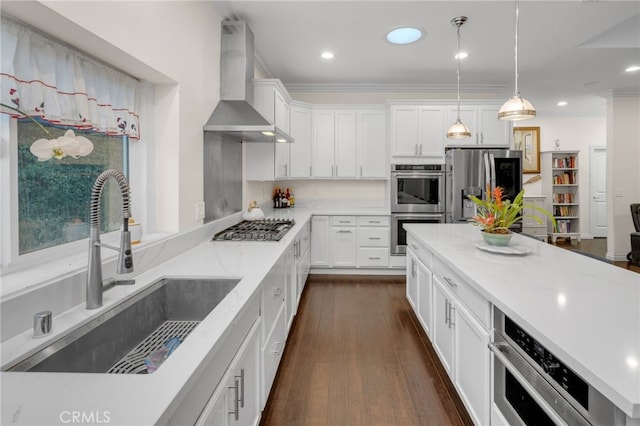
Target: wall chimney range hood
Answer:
pixel 235 116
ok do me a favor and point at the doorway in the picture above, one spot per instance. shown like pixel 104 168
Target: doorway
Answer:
pixel 598 190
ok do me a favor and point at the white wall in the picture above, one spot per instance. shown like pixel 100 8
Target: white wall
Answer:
pixel 623 172
pixel 573 133
pixel 173 43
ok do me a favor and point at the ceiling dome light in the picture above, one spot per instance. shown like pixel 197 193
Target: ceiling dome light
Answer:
pixel 404 35
pixel 327 55
pixel 516 108
pixel 458 130
pixel 562 103
pixel 633 68
pixel 461 55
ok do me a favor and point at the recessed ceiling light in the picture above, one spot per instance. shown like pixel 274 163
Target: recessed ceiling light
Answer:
pixel 562 103
pixel 327 55
pixel 633 68
pixel 404 35
pixel 462 55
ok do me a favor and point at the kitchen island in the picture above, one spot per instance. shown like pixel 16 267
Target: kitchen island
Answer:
pixel 584 311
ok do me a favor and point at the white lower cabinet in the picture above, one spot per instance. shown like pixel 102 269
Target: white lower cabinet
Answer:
pixel 461 344
pixel 344 242
pixel 236 401
pixel 455 317
pixel 320 238
pixel 425 297
pixel 412 280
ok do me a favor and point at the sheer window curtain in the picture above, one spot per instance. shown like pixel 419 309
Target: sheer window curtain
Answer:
pixel 63 87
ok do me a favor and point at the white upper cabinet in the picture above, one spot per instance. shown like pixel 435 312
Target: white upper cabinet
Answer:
pixel 270 161
pixel 372 144
pixel 482 121
pixel 417 132
pixel 334 143
pixel 300 150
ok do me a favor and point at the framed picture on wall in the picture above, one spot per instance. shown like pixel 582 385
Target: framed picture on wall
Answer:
pixel 527 140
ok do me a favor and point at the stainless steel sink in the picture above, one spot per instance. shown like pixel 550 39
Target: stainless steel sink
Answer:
pixel 119 340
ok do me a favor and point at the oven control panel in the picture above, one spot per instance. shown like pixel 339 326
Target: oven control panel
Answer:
pixel 560 373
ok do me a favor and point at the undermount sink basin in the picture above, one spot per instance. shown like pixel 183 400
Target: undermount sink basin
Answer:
pixel 118 340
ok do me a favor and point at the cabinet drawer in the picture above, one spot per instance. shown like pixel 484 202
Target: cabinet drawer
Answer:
pixel 420 250
pixel 373 237
pixel 373 257
pixel 271 354
pixel 373 221
pixel 273 294
pixel 473 300
pixel 539 230
pixel 343 221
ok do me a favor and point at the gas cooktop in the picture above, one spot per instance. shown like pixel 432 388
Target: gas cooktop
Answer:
pixel 256 230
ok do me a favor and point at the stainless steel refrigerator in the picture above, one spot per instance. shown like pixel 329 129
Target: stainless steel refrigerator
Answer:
pixel 473 171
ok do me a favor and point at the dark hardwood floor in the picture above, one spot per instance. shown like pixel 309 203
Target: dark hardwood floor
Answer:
pixel 595 246
pixel 356 356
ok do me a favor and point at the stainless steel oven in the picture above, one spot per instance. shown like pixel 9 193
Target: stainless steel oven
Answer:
pixel 533 387
pixel 417 188
pixel 399 235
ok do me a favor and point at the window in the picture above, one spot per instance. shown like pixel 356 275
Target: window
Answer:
pixel 53 196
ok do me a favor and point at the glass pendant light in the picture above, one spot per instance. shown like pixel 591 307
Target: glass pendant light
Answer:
pixel 458 130
pixel 516 108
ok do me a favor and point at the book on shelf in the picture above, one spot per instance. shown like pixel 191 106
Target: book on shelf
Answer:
pixel 563 198
pixel 566 178
pixel 563 211
pixel 564 162
pixel 564 226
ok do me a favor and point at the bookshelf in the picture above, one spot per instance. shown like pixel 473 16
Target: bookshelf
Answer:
pixel 560 173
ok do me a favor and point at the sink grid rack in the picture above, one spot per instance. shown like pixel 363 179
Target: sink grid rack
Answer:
pixel 133 362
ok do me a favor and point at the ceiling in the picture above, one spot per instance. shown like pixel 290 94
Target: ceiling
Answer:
pixel 568 50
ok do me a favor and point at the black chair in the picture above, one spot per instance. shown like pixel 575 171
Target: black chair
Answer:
pixel 634 254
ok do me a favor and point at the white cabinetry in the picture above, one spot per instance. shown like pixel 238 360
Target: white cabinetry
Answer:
pixel 303 258
pixel 530 226
pixel 320 238
pixel 417 131
pixel 269 161
pixel 344 241
pixel 373 241
pixel 482 121
pixel 334 143
pixel 372 144
pixel 457 319
pixel 300 150
pixel 236 401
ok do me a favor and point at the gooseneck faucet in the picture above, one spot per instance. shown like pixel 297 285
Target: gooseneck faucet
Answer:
pixel 125 259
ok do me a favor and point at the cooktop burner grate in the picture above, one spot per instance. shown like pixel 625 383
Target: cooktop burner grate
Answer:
pixel 256 230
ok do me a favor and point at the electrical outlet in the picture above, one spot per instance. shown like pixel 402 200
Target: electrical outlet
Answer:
pixel 200 210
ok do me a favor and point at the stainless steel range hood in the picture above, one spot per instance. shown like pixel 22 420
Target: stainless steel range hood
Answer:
pixel 235 116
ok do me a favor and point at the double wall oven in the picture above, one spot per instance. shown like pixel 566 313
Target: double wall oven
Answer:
pixel 417 196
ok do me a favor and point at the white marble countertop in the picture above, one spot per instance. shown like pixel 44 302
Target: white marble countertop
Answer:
pixel 585 311
pixel 41 398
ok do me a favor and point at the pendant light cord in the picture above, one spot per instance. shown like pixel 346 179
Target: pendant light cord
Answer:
pixel 517 92
pixel 458 72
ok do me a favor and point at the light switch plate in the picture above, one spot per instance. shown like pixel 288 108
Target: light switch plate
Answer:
pixel 200 210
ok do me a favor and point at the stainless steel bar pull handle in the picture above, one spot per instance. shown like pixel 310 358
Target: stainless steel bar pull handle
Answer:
pixel 446 312
pixel 451 283
pixel 236 402
pixel 241 377
pixel 286 170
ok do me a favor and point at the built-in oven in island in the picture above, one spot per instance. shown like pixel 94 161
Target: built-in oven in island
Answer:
pixel 417 196
pixel 531 386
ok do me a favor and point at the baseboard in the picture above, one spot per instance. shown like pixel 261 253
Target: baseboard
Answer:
pixel 357 271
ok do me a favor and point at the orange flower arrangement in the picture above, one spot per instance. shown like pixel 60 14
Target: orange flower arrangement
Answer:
pixel 496 215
